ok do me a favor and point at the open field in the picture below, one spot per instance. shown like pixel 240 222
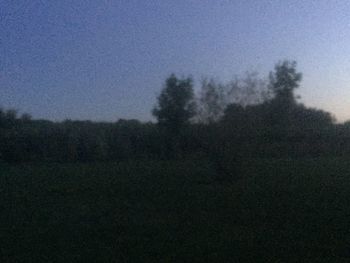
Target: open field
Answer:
pixel 171 211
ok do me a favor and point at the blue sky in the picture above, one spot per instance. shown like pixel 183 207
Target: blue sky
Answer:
pixel 105 60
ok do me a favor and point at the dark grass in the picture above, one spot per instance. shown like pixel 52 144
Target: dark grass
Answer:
pixel 173 211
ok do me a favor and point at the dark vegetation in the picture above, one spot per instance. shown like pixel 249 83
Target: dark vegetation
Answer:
pixel 240 172
pixel 248 117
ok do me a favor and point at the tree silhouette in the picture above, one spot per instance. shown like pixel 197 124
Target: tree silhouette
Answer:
pixel 176 105
pixel 284 80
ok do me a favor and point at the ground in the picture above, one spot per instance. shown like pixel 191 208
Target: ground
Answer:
pixel 281 210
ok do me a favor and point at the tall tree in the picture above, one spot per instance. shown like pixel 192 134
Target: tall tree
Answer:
pixel 284 80
pixel 176 105
pixel 175 108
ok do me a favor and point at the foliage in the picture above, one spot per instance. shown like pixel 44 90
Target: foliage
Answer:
pixel 284 80
pixel 247 90
pixel 237 120
pixel 211 101
pixel 176 105
pixel 215 97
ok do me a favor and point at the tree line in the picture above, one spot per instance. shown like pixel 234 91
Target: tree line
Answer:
pixel 244 118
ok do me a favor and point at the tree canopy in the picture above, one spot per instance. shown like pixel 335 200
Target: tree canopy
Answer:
pixel 284 80
pixel 176 105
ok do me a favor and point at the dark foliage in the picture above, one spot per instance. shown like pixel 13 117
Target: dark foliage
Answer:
pixel 276 126
pixel 176 104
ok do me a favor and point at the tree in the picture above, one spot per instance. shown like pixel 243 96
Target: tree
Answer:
pixel 284 80
pixel 215 97
pixel 211 101
pixel 176 105
pixel 247 90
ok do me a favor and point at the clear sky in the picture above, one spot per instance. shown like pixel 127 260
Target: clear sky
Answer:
pixel 108 59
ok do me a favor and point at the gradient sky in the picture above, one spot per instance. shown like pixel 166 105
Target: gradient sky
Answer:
pixel 105 60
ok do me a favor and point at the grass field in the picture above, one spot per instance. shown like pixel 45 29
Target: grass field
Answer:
pixel 172 211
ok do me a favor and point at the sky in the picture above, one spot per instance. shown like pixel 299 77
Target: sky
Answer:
pixel 108 59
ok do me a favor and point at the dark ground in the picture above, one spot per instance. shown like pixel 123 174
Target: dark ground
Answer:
pixel 172 211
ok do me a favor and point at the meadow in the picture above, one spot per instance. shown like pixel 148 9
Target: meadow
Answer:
pixel 281 210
